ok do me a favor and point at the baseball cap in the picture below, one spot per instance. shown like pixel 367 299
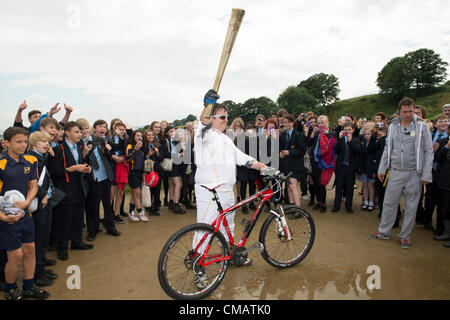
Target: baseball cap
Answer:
pixel 446 106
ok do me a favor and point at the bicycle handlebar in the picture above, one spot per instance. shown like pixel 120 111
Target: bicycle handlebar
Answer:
pixel 278 176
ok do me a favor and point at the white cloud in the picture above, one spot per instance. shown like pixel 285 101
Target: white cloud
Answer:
pixel 147 60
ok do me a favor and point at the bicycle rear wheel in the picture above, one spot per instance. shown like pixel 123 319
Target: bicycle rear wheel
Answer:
pixel 278 250
pixel 179 271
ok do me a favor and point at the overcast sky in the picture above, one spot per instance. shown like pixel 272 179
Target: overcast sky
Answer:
pixel 143 60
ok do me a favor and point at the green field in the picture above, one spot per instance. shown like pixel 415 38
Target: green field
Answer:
pixel 367 106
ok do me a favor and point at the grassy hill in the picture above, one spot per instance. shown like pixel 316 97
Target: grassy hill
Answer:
pixel 367 106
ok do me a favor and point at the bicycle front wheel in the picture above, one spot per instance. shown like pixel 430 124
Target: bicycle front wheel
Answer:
pixel 179 270
pixel 280 251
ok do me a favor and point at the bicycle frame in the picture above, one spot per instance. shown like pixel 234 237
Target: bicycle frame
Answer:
pixel 266 194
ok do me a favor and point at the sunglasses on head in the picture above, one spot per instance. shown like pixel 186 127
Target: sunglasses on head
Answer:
pixel 221 117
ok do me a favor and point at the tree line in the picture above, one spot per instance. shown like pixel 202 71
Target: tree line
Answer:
pixel 416 73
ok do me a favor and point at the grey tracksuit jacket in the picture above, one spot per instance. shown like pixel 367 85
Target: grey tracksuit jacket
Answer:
pixel 423 147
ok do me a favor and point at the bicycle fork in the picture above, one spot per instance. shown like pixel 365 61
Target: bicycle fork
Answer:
pixel 282 226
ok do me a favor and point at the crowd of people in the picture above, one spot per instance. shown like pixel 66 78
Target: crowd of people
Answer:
pixel 72 166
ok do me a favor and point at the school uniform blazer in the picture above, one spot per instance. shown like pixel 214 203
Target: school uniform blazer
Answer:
pixel 68 182
pixel 380 143
pixel 442 157
pixel 355 153
pixel 295 160
pixel 369 157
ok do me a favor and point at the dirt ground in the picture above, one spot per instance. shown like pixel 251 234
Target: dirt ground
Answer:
pixel 338 266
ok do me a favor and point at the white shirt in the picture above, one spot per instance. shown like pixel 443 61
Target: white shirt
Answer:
pixel 216 158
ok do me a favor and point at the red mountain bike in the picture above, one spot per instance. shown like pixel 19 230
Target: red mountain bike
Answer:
pixel 195 259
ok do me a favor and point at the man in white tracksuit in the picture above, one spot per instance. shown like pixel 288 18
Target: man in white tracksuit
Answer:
pixel 216 158
pixel 408 154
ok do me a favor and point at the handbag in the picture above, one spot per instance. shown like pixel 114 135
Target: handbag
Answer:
pixel 167 163
pixel 146 197
pixel 148 165
pixel 330 186
pixel 57 196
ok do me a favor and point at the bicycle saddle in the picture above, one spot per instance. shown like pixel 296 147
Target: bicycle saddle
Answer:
pixel 210 187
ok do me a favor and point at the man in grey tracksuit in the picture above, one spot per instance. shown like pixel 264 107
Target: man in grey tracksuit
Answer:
pixel 408 154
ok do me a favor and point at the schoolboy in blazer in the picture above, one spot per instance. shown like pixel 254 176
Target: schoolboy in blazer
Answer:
pixel 67 168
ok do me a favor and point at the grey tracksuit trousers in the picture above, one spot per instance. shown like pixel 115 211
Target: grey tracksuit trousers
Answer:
pixel 401 182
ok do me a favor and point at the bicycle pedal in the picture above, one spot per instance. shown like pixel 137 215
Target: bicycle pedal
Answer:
pixel 254 246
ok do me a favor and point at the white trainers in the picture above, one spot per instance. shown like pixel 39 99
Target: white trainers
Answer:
pixel 305 197
pixel 143 216
pixel 132 216
pixel 201 281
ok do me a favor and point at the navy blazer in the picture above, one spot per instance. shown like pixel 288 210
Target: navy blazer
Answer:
pixel 355 153
pixel 294 162
pixel 69 182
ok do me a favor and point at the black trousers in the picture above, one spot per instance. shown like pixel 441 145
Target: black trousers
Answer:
pixel 156 191
pixel 184 189
pixel 3 261
pixel 344 181
pixel 443 203
pixel 420 213
pixel 312 193
pixel 443 209
pixel 68 219
pixel 99 191
pixel 430 200
pixel 42 219
pixel 379 191
pixel 319 189
pixel 251 188
pixel 165 179
pixel 304 185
